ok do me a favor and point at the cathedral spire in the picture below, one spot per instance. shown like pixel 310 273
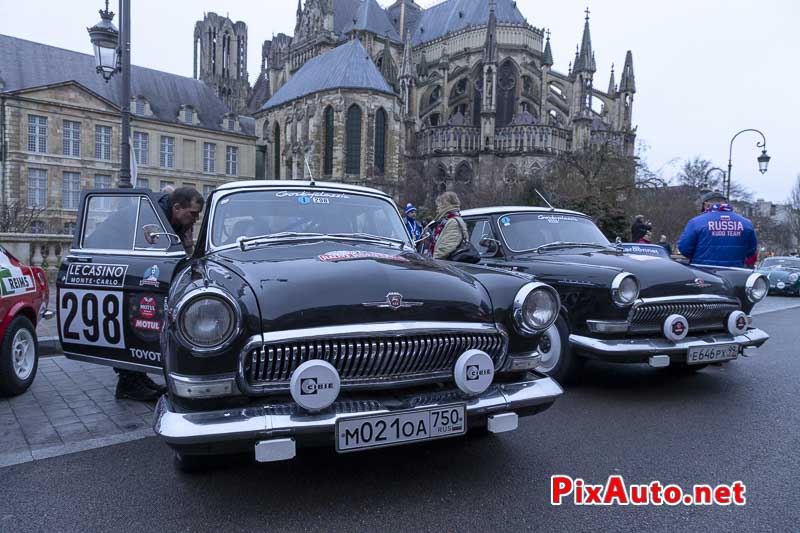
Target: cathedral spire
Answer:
pixel 299 9
pixel 627 83
pixel 584 60
pixel 612 82
pixel 547 59
pixel 490 47
pixel 407 70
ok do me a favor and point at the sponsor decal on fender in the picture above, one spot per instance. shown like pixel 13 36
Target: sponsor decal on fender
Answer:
pixel 13 282
pixel 96 275
pixel 151 277
pixel 147 325
pixel 148 307
pixel 345 255
pixel 145 355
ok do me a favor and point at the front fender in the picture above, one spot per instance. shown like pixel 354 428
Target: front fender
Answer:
pixel 203 273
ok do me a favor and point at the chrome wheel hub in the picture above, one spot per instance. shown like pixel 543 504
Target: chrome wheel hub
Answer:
pixel 550 349
pixel 23 354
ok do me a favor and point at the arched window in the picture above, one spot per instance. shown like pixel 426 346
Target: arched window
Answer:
pixel 327 162
pixel 436 95
pixel 380 141
pixel 353 142
pixel 277 154
pixel 506 93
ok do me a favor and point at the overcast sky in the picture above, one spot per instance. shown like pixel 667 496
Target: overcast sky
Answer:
pixel 705 69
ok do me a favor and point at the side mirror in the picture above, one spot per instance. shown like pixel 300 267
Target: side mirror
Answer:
pixel 152 234
pixel 424 237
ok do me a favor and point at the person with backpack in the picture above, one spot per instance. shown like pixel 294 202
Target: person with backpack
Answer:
pixel 450 236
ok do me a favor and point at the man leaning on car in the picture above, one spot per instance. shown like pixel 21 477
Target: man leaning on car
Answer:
pixel 182 208
pixel 718 237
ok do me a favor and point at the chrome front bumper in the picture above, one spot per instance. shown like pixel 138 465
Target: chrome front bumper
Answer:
pixel 638 350
pixel 271 421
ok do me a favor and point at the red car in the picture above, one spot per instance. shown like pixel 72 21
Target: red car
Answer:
pixel 23 302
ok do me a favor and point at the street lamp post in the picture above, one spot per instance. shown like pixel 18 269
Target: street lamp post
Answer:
pixel 112 52
pixel 709 171
pixel 763 159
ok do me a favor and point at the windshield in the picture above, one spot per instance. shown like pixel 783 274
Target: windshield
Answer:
pixel 260 213
pixel 529 231
pixel 777 264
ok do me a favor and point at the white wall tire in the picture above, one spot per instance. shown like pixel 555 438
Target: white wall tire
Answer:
pixel 550 350
pixel 559 361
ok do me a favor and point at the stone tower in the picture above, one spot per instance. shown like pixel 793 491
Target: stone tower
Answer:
pixel 220 59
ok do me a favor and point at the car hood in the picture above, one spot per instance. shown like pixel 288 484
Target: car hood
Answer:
pixel 778 275
pixel 329 283
pixel 657 276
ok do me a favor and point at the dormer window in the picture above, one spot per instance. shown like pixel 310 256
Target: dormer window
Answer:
pixel 188 115
pixel 229 122
pixel 140 106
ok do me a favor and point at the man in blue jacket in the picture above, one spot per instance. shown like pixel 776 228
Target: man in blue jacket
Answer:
pixel 718 237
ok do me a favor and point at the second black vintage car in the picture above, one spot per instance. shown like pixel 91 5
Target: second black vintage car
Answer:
pixel 620 307
pixel 304 316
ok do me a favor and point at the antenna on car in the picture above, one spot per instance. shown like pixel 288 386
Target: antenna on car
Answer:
pixel 310 174
pixel 544 200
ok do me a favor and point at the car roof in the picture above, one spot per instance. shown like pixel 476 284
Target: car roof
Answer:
pixel 516 209
pixel 298 184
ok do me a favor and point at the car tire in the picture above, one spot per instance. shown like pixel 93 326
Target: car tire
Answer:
pixel 558 360
pixel 19 357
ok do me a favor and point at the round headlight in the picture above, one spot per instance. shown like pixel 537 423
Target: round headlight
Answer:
pixel 756 288
pixel 536 307
pixel 207 321
pixel 624 289
pixel 794 277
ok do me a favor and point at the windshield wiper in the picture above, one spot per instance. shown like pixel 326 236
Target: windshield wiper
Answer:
pixel 248 243
pixel 562 244
pixel 367 237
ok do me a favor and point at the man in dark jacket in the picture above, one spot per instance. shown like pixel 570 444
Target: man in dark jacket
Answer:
pixel 718 237
pixel 182 208
pixel 413 227
pixel 639 228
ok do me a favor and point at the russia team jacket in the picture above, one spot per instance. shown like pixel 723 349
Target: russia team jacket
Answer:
pixel 720 238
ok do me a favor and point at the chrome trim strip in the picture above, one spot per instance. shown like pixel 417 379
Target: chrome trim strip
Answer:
pixel 688 298
pixel 601 326
pixel 136 367
pixel 397 329
pixel 268 420
pixel 136 253
pixel 659 346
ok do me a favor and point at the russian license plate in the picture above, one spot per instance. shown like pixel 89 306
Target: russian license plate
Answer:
pixel 359 433
pixel 699 355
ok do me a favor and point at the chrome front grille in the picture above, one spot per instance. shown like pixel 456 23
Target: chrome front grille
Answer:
pixel 369 361
pixel 649 317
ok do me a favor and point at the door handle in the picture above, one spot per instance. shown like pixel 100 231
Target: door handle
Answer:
pixel 74 259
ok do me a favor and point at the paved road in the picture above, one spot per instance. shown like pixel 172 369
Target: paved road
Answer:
pixel 740 421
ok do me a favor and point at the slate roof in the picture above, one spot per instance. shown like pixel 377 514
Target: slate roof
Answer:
pixel 369 16
pixel 348 66
pixel 455 15
pixel 27 64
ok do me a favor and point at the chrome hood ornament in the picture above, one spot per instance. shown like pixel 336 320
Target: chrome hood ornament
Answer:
pixel 394 301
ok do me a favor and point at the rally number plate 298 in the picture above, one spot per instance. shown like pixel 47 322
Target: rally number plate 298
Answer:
pixel 401 427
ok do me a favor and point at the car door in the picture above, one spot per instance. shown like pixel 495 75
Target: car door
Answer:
pixel 113 283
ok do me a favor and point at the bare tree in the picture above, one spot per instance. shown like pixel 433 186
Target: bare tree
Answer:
pixel 794 210
pixel 599 182
pixel 696 173
pixel 17 217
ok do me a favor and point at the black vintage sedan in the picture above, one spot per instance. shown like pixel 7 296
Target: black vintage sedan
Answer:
pixel 620 307
pixel 304 316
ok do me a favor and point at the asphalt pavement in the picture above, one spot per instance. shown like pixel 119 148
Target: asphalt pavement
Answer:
pixel 737 421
